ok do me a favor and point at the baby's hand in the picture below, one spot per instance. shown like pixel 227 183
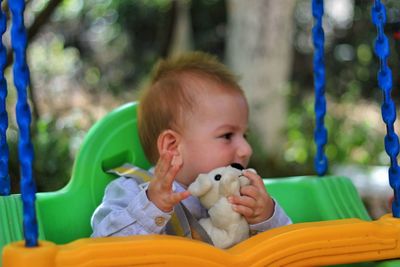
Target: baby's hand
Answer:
pixel 160 187
pixel 254 203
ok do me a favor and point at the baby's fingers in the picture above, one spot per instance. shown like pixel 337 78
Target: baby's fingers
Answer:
pixel 254 178
pixel 166 172
pixel 243 210
pixel 250 191
pixel 170 175
pixel 243 201
pixel 163 164
pixel 175 198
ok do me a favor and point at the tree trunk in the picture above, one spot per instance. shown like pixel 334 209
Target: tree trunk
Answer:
pixel 182 32
pixel 259 50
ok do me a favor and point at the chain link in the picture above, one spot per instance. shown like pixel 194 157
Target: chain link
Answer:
pixel 320 132
pixel 25 148
pixel 5 187
pixel 388 108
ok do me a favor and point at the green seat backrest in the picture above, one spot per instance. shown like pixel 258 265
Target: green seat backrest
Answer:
pixel 65 214
pixel 113 140
pixel 311 198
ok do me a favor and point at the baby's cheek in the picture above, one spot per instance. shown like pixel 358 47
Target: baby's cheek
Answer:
pixel 185 180
pixel 176 161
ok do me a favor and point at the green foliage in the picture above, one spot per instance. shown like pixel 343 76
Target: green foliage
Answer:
pixel 355 129
pixel 147 25
pixel 110 46
pixel 352 137
pixel 98 46
pixel 120 40
pixel 52 160
pixel 209 19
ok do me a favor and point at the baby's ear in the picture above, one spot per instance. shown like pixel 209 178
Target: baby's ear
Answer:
pixel 168 141
pixel 200 186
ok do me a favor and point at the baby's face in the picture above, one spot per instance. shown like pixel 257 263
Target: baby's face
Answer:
pixel 214 134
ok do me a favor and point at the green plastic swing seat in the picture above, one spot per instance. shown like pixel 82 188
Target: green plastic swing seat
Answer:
pixel 64 215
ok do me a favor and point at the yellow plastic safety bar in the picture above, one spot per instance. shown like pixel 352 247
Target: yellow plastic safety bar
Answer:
pixel 303 244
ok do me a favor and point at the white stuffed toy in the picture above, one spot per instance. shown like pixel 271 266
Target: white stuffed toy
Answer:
pixel 224 226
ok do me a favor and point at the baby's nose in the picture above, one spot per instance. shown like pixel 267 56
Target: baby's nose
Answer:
pixel 244 150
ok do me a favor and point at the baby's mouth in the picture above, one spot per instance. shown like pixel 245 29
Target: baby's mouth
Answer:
pixel 237 166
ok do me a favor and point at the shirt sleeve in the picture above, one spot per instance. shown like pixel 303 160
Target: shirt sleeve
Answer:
pixel 278 218
pixel 126 210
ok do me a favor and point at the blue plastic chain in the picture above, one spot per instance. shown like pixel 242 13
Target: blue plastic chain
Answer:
pixel 5 187
pixel 388 107
pixel 25 148
pixel 320 132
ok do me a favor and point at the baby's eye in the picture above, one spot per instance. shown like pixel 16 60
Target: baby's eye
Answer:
pixel 227 136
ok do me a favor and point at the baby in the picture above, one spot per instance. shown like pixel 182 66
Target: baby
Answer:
pixel 192 118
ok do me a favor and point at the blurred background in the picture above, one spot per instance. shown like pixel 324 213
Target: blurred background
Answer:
pixel 87 57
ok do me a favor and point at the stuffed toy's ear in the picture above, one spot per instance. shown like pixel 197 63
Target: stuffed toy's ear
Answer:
pixel 200 186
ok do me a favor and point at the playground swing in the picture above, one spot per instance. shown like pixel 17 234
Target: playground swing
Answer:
pixel 331 223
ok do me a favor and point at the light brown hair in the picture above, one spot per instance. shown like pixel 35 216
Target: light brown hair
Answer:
pixel 169 94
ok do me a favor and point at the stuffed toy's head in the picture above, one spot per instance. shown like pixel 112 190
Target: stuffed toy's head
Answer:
pixel 220 182
pixel 224 226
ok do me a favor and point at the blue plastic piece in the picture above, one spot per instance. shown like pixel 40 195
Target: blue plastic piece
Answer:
pixel 382 51
pixel 320 132
pixel 5 186
pixel 25 148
